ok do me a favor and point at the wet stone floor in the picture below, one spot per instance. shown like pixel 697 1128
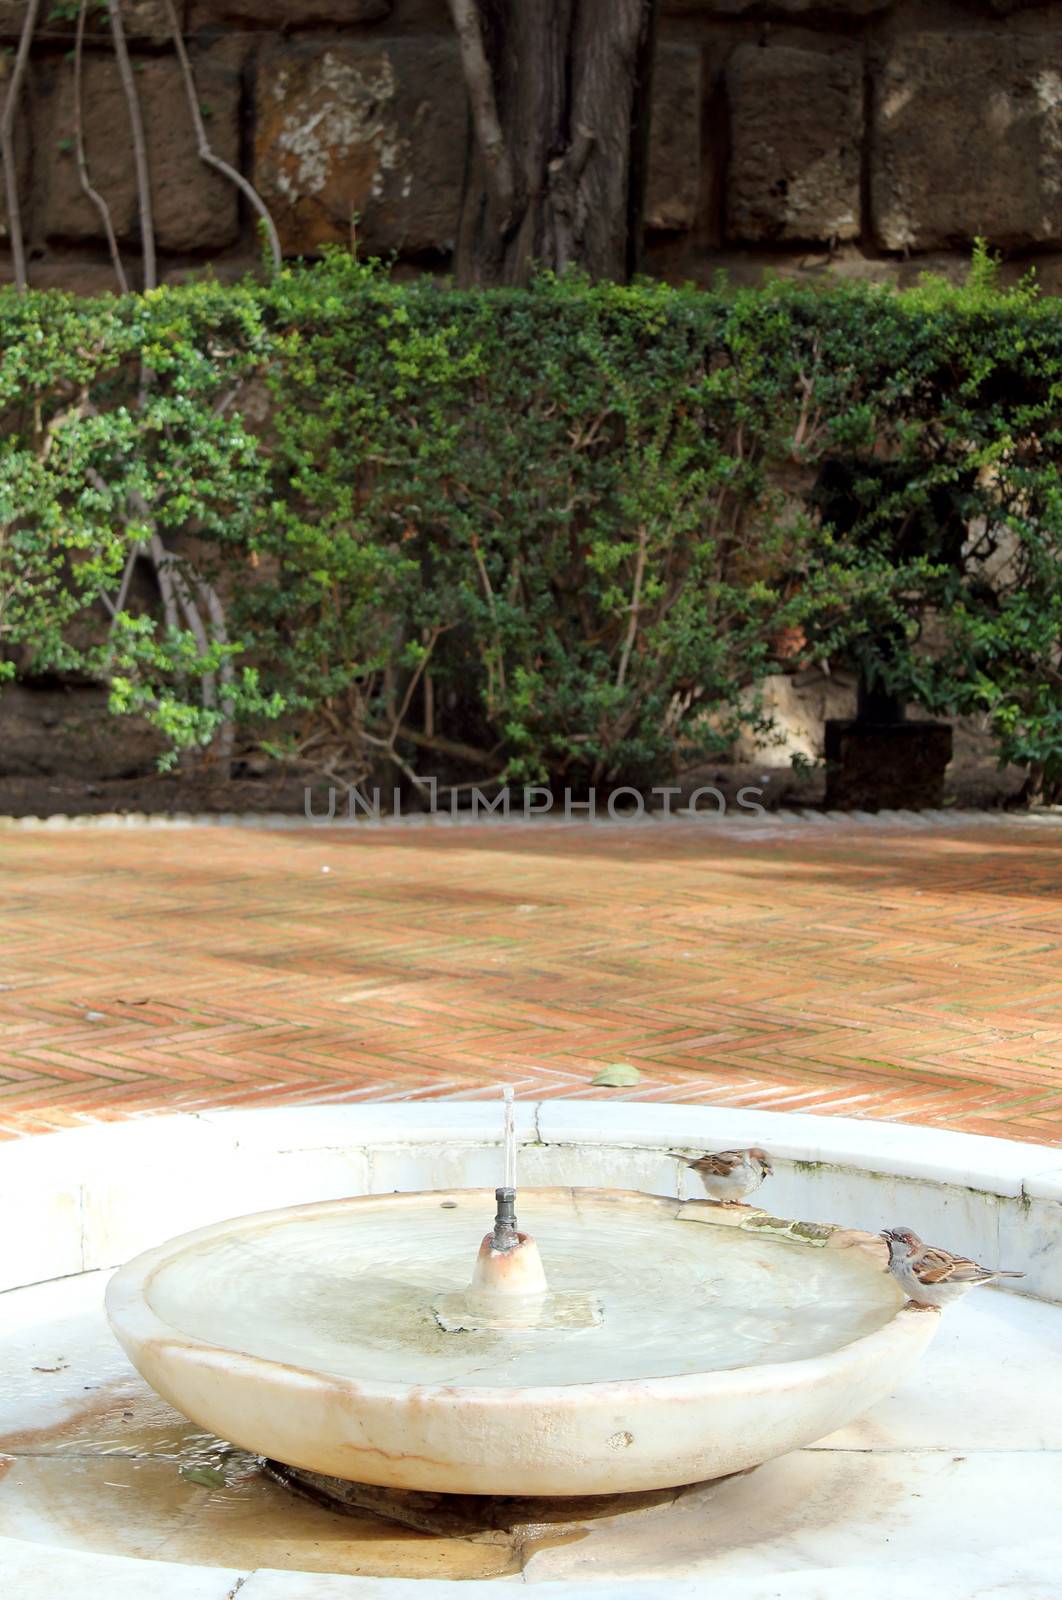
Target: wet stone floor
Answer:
pixel 93 1459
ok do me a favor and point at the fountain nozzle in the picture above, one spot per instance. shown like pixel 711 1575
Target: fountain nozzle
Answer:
pixel 508 1266
pixel 505 1236
pixel 509 1288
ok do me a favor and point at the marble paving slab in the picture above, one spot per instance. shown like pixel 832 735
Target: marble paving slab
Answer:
pixel 950 1487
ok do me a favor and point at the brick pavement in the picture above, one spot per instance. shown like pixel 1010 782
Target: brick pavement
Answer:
pixel 911 972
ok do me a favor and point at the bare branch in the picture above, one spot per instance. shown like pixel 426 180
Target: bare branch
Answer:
pixel 206 154
pixel 175 590
pixel 635 607
pixel 392 755
pixel 212 602
pixel 429 706
pixel 7 142
pixel 400 715
pixel 160 561
pixel 489 595
pixel 118 604
pixel 451 747
pixel 480 85
pixel 140 160
pixel 81 408
pixel 82 163
pixel 221 406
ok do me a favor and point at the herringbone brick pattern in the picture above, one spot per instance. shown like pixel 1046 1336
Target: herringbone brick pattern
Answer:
pixel 911 973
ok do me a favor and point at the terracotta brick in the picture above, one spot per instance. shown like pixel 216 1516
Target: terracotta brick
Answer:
pixel 893 972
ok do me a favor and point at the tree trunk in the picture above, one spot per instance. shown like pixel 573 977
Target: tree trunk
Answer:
pixel 559 95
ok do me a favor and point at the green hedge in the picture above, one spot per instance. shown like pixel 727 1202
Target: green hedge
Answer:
pixel 552 534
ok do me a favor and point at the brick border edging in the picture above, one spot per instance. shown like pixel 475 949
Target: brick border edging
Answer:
pixel 785 816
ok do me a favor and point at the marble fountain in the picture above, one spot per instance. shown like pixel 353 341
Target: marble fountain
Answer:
pixel 351 1372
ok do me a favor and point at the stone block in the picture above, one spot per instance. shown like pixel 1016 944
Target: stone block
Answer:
pixel 1005 7
pixel 966 139
pixel 194 207
pixel 890 766
pixel 75 275
pixel 781 8
pixel 674 140
pixel 286 14
pixel 377 129
pixel 142 19
pixel 796 121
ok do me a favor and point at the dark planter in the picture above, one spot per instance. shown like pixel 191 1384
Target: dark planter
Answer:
pixel 875 766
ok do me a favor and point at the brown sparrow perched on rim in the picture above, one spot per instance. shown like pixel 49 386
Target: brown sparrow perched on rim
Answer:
pixel 729 1175
pixel 930 1276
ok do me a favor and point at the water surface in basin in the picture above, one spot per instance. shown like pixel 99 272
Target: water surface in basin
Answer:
pixel 351 1290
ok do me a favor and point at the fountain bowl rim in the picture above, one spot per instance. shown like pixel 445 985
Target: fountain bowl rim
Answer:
pixel 137 1325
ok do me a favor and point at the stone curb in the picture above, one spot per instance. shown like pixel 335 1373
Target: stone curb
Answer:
pixel 738 823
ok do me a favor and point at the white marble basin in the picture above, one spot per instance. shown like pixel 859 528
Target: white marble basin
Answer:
pixel 721 1338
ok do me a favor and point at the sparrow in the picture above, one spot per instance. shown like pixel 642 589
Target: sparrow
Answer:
pixel 729 1175
pixel 930 1276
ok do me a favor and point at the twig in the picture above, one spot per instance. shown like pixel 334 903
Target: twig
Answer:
pixel 206 154
pixel 392 754
pixel 82 162
pixel 412 684
pixel 807 388
pixel 99 483
pixel 140 160
pixel 445 747
pixel 635 607
pixel 7 126
pixel 221 406
pixel 192 617
pixel 489 593
pixel 215 612
pixel 429 706
pixel 164 577
pixel 177 598
pixel 74 413
pixel 118 604
pixel 480 86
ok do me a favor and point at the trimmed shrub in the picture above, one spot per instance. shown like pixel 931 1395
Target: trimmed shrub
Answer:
pixel 544 535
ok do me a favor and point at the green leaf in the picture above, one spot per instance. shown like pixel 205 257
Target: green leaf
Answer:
pixel 206 1477
pixel 620 1075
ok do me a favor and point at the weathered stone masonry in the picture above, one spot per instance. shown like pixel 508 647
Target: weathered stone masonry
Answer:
pixel 867 137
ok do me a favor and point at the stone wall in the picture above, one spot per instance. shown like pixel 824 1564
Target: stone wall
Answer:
pixel 866 137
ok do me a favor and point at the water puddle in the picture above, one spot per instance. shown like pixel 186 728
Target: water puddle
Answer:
pixel 125 1474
